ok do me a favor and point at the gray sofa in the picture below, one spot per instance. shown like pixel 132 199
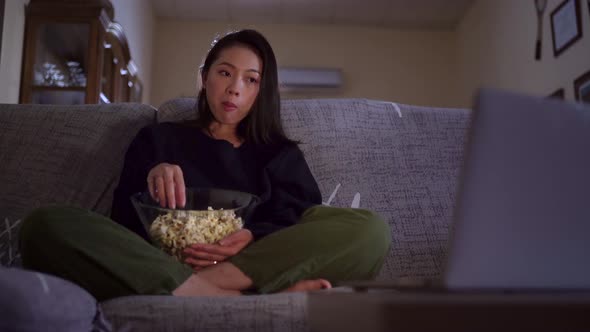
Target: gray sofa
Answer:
pixel 402 161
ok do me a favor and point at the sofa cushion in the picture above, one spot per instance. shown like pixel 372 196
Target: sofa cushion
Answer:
pixel 276 312
pixel 33 301
pixel 402 161
pixel 63 155
pixel 178 109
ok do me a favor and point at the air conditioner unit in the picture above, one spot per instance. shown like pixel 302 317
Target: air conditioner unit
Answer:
pixel 304 78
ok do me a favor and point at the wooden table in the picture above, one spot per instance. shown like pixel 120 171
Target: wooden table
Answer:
pixel 387 310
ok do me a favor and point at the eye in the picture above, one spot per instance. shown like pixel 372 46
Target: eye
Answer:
pixel 252 80
pixel 224 73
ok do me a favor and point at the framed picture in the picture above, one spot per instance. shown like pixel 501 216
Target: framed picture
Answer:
pixel 558 94
pixel 566 25
pixel 582 88
pixel 1 22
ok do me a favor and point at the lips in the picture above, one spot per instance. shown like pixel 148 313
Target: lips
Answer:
pixel 229 106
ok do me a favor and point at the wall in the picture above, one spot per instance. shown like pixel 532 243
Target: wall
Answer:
pixel 406 66
pixel 137 19
pixel 493 46
pixel 496 47
pixel 13 33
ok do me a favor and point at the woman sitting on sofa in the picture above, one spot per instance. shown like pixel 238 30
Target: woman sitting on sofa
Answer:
pixel 290 243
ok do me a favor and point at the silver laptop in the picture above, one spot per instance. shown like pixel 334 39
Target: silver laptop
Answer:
pixel 522 218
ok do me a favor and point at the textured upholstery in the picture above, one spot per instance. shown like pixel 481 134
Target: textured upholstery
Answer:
pixel 276 312
pixel 62 155
pixel 177 110
pixel 403 161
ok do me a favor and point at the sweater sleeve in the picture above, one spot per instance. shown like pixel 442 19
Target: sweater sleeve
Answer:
pixel 290 189
pixel 139 159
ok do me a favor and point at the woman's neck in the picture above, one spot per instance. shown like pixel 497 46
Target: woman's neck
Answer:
pixel 225 132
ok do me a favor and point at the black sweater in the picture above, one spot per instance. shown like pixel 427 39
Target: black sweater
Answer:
pixel 278 175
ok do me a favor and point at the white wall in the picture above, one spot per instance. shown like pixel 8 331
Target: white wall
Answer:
pixel 406 66
pixel 137 19
pixel 496 47
pixel 12 48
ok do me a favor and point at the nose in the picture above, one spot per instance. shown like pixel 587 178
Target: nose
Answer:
pixel 234 87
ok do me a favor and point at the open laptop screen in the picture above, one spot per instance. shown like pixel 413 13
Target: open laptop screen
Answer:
pixel 522 219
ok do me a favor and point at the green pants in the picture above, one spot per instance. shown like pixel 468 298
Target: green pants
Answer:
pixel 110 261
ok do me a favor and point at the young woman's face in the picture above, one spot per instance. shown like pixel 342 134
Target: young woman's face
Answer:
pixel 232 84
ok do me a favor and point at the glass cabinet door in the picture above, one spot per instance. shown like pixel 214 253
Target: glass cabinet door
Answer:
pixel 60 68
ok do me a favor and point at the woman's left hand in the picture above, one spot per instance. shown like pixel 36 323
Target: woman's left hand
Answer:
pixel 202 255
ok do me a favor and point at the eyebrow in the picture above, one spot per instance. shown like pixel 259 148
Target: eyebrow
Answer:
pixel 231 65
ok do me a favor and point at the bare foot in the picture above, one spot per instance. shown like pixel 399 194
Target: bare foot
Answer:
pixel 309 285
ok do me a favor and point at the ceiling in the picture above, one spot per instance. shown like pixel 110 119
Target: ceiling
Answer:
pixel 429 14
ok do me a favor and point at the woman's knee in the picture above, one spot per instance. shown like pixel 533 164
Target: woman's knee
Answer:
pixel 42 225
pixel 372 231
pixel 36 222
pixel 359 226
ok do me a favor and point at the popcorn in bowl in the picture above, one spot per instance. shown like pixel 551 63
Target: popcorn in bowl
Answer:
pixel 209 215
pixel 176 230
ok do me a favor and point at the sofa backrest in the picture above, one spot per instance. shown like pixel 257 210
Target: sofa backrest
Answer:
pixel 402 160
pixel 63 155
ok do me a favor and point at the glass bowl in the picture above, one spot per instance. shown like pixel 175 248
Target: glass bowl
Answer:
pixel 208 216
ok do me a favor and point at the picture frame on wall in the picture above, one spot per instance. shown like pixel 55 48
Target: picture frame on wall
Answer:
pixel 566 25
pixel 1 22
pixel 558 94
pixel 582 88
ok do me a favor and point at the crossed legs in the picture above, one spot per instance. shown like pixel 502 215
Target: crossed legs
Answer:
pixel 110 261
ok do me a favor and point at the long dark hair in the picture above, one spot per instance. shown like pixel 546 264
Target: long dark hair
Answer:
pixel 263 124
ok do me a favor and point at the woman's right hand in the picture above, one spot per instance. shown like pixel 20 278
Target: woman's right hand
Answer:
pixel 166 185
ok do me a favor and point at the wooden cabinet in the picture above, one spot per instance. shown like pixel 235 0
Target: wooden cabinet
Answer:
pixel 76 53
